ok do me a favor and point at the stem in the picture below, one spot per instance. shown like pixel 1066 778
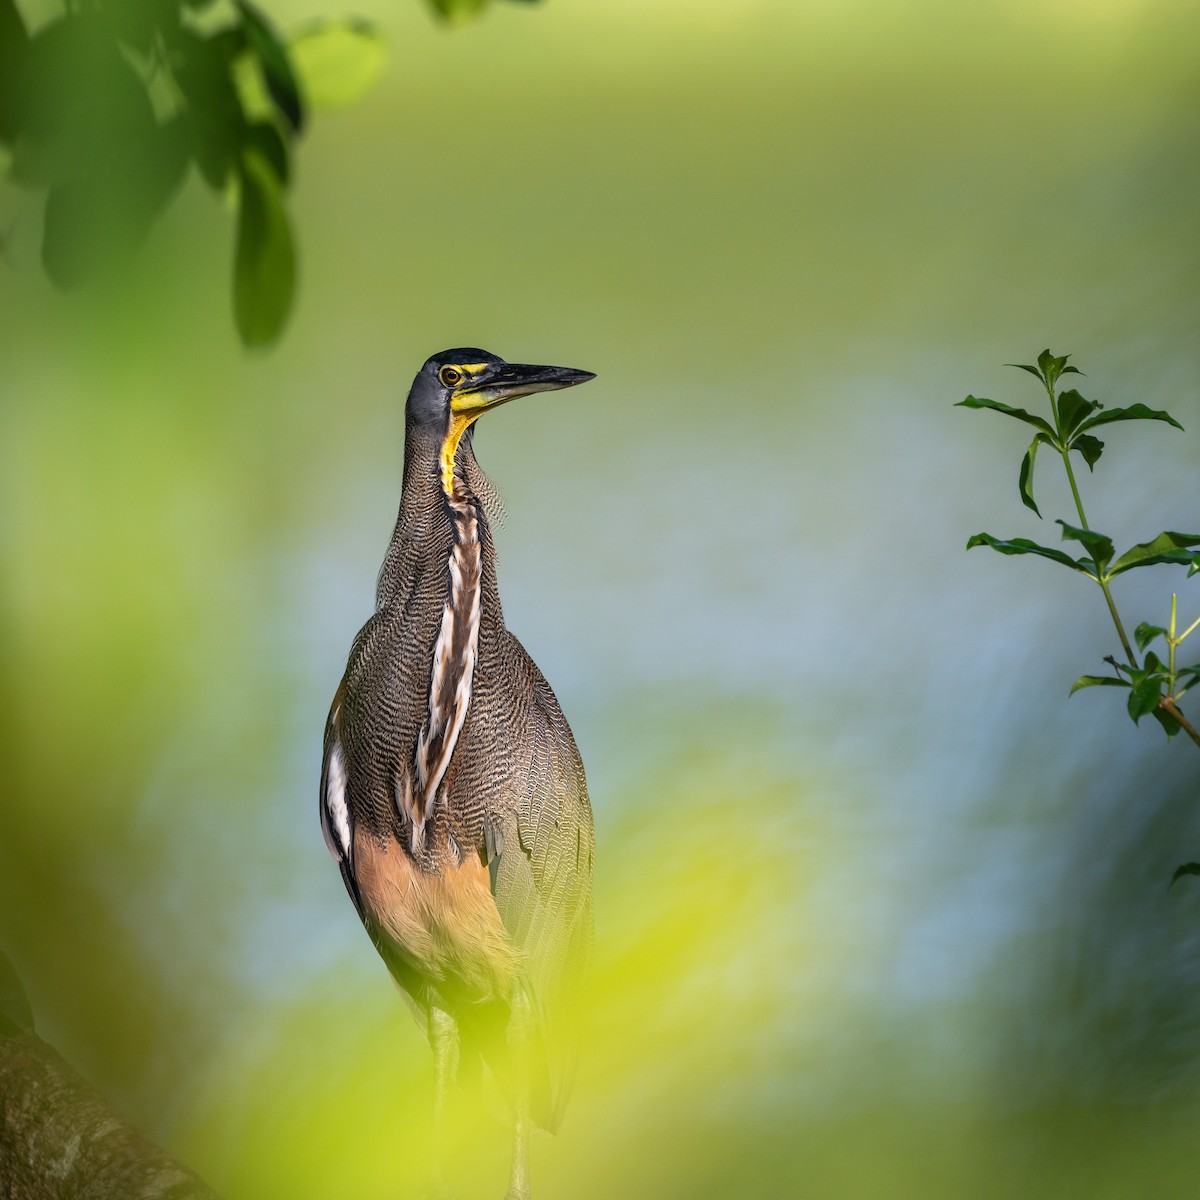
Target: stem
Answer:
pixel 1112 608
pixel 1172 642
pixel 1074 488
pixel 1101 580
pixel 1170 702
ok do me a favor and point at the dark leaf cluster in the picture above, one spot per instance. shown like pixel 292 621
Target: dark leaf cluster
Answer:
pixel 452 9
pixel 106 107
pixel 1147 685
pixel 1073 417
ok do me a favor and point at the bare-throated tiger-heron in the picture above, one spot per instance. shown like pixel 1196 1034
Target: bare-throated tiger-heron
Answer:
pixel 452 795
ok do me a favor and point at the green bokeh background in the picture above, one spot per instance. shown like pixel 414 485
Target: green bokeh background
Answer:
pixel 879 912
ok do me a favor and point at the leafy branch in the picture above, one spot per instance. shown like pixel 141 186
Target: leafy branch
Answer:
pixel 105 107
pixel 1155 687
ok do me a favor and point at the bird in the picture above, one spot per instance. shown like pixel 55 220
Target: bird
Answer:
pixel 453 797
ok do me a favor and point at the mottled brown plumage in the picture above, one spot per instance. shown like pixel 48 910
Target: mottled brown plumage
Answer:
pixel 475 884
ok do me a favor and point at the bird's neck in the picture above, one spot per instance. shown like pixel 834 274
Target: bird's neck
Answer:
pixel 440 572
pixel 433 506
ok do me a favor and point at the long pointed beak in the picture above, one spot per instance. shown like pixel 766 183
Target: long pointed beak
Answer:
pixel 513 380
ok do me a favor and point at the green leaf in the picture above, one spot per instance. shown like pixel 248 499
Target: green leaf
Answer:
pixel 1186 678
pixel 79 104
pixel 89 135
pixel 1019 413
pixel 1051 366
pixel 1170 726
pixel 1026 367
pixel 264 264
pixel 14 42
pixel 275 64
pixel 1025 482
pixel 1135 412
pixel 337 61
pixel 454 9
pixel 1098 544
pixel 268 141
pixel 1024 546
pixel 1072 408
pixel 1186 869
pixel 139 24
pixel 1144 696
pixel 1152 665
pixel 1090 447
pixel 92 223
pixel 1168 547
pixel 1087 681
pixel 1145 633
pixel 214 108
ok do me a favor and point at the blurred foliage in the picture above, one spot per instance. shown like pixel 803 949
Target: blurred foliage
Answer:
pixel 105 107
pixel 454 9
pixel 731 1048
pixel 696 948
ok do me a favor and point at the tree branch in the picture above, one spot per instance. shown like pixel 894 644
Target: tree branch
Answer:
pixel 60 1141
pixel 1169 706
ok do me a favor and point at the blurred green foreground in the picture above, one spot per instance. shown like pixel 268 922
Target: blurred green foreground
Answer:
pixel 879 913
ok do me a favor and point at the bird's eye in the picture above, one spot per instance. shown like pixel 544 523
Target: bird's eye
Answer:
pixel 450 376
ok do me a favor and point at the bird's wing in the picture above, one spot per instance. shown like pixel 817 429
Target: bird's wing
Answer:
pixel 540 853
pixel 337 822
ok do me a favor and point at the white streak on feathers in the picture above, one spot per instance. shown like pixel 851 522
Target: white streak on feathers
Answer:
pixel 336 808
pixel 452 676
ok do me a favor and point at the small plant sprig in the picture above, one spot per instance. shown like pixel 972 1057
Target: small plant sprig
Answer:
pixel 1155 687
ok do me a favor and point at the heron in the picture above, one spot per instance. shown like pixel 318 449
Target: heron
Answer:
pixel 453 797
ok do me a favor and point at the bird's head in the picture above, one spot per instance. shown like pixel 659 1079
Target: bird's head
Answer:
pixel 456 387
